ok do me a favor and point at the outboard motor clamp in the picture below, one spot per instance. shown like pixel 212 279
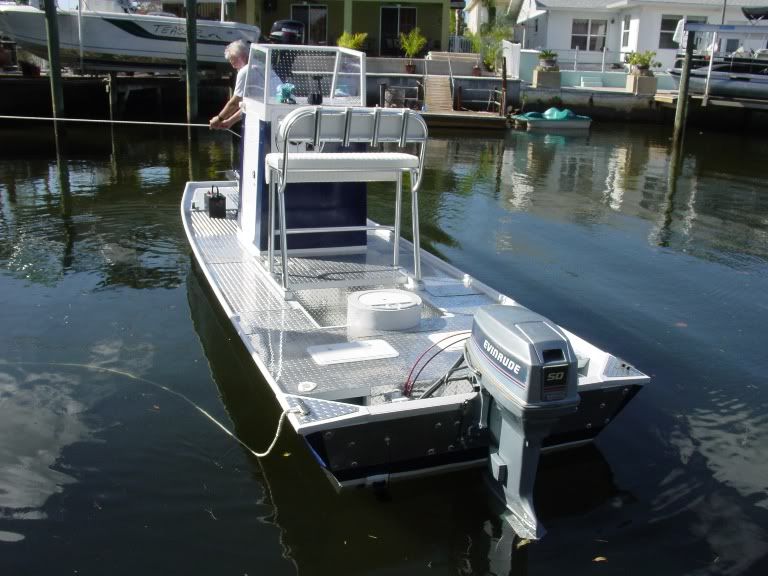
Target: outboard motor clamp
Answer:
pixel 527 366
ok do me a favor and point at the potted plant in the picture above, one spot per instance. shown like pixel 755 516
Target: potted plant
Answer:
pixel 641 62
pixel 548 60
pixel 547 73
pixel 640 80
pixel 353 41
pixel 412 43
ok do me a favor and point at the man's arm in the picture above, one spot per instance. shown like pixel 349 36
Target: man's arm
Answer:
pixel 230 114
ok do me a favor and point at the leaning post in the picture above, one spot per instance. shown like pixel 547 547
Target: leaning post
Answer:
pixel 54 62
pixel 191 6
pixel 503 104
pixel 681 111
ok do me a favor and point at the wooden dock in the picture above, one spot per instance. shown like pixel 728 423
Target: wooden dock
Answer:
pixel 465 120
pixel 670 99
pixel 89 96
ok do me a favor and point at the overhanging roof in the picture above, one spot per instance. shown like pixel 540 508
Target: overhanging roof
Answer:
pixel 608 4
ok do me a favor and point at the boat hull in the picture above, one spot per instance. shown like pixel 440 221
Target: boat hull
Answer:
pixel 542 124
pixel 728 84
pixel 360 440
pixel 422 444
pixel 113 40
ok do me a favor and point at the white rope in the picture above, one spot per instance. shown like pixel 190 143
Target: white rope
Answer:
pixel 104 121
pixel 174 392
pixel 100 121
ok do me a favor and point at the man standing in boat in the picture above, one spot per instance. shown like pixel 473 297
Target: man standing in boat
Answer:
pixel 236 54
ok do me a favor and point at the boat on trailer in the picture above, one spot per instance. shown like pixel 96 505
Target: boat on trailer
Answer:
pixel 114 36
pixel 389 362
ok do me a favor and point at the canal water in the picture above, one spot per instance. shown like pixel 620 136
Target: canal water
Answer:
pixel 110 339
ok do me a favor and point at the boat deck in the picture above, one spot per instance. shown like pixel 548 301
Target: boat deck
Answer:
pixel 285 333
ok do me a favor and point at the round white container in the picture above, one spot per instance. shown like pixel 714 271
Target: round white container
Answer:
pixel 386 309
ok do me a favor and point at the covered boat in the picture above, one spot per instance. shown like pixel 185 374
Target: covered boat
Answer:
pixel 389 362
pixel 553 119
pixel 119 38
pixel 729 77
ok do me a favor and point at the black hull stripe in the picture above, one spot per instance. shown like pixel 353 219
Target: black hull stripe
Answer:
pixel 135 30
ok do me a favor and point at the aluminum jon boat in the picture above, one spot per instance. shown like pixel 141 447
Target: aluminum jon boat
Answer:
pixel 386 360
pixel 119 39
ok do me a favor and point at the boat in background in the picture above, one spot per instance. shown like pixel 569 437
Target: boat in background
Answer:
pixel 117 37
pixel 742 73
pixel 552 119
pixel 732 77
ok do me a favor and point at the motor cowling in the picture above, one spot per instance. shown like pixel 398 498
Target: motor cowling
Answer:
pixel 527 368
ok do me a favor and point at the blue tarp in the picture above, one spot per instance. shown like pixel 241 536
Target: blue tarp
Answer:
pixel 550 114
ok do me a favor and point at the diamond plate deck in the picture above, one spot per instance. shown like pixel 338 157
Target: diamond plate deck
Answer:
pixel 617 368
pixel 281 331
pixel 319 410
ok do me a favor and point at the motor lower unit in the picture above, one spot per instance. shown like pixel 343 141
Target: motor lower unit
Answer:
pixel 527 372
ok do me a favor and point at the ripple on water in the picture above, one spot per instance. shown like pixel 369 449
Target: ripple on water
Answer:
pixel 10 536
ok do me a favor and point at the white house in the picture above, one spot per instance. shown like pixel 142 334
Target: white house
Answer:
pixel 479 12
pixel 623 26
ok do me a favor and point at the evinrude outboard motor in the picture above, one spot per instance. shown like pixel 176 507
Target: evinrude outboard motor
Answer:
pixel 526 369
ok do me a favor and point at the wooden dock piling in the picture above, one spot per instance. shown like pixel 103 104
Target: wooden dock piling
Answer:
pixel 681 111
pixel 54 62
pixel 191 6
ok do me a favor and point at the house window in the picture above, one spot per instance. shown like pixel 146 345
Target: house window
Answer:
pixel 625 31
pixel 315 19
pixel 395 20
pixel 731 45
pixel 588 34
pixel 668 25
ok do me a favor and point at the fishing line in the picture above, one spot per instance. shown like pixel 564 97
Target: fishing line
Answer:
pixel 103 121
pixel 170 391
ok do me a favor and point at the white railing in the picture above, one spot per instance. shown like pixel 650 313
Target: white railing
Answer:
pixel 588 60
pixel 459 44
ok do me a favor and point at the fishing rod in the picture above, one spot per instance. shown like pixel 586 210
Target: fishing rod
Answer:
pixel 98 121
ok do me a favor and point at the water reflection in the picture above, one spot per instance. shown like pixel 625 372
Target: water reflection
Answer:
pixel 593 178
pixel 37 410
pixel 77 213
pixel 665 265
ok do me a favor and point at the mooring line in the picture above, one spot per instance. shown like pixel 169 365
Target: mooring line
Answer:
pixel 105 121
pixel 170 391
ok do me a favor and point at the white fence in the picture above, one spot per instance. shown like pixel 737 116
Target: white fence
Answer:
pixel 459 44
pixel 511 55
pixel 590 60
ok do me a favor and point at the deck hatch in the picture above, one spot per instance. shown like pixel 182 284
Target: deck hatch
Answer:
pixel 357 351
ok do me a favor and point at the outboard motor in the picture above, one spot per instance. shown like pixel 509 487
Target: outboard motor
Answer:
pixel 287 32
pixel 526 369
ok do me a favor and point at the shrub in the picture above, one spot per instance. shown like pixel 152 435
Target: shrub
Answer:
pixel 547 54
pixel 643 59
pixel 353 41
pixel 412 43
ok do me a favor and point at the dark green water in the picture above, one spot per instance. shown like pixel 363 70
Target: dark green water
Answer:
pixel 103 472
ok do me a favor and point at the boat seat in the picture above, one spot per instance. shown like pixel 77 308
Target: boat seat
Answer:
pixel 342 166
pixel 317 126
